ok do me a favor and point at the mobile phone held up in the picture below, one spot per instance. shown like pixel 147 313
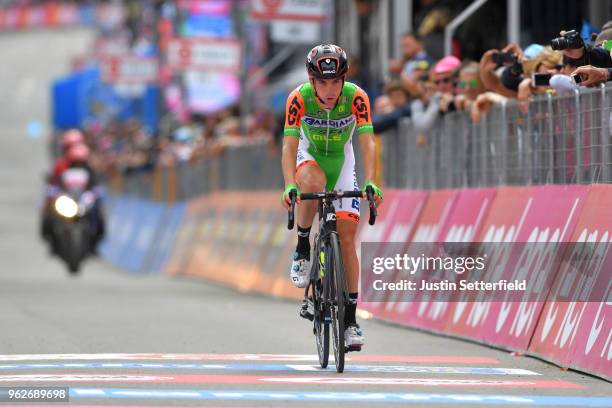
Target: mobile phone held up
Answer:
pixel 544 79
pixel 540 79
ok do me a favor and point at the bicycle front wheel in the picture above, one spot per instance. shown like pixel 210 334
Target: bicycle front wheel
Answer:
pixel 335 270
pixel 321 328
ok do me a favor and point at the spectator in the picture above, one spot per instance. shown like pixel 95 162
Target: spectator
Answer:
pixel 547 62
pixel 586 55
pixel 507 80
pixel 383 105
pixel 413 52
pixel 604 35
pixel 444 76
pixel 469 85
pixel 430 20
pixel 399 100
pixel 426 108
pixel 411 80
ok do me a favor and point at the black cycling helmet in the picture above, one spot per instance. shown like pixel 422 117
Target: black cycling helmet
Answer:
pixel 327 61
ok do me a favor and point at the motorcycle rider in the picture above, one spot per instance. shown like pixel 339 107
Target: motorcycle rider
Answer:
pixel 77 157
pixel 70 138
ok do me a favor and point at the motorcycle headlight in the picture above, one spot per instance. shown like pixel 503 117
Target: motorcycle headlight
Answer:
pixel 66 206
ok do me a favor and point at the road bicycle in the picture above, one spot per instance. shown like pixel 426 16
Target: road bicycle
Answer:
pixel 327 276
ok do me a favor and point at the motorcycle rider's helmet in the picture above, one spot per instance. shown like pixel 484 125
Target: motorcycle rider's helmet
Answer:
pixel 71 138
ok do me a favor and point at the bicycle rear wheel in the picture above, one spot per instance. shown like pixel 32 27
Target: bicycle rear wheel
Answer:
pixel 335 270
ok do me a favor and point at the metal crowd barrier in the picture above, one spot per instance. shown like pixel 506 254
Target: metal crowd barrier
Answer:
pixel 249 167
pixel 561 140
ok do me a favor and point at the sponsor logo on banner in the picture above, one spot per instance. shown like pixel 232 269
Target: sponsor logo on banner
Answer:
pixel 205 54
pixel 300 10
pixel 129 70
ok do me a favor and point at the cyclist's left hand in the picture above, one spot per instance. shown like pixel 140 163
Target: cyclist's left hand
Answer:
pixel 378 195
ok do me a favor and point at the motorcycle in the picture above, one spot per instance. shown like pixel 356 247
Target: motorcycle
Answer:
pixel 72 234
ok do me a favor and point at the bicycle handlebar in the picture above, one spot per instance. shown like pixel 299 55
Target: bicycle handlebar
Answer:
pixel 332 195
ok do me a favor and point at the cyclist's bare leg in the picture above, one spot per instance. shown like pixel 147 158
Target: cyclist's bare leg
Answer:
pixel 311 179
pixel 347 229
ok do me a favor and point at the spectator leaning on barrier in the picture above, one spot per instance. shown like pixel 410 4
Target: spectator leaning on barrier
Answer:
pixel 502 71
pixel 469 85
pixel 577 54
pixel 546 62
pixel 444 76
pixel 425 109
pixel 592 75
pixel 399 99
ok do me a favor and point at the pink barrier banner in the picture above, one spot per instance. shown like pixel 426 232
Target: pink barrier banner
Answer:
pixel 396 222
pixel 575 327
pixel 523 215
pixel 437 211
pixel 463 225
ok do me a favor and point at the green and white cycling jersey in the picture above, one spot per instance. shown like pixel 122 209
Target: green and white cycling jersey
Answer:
pixel 326 135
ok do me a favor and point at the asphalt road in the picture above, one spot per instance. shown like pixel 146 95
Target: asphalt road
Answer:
pixel 121 339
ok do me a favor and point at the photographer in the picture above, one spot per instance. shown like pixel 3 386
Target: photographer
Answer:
pixel 577 54
pixel 593 64
pixel 502 71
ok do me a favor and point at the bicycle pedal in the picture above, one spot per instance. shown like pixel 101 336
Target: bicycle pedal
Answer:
pixel 352 348
pixel 304 314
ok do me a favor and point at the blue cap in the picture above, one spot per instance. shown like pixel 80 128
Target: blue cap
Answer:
pixel 533 50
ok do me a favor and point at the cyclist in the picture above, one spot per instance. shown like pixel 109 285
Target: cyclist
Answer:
pixel 321 117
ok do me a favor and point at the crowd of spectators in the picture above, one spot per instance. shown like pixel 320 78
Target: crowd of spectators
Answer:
pixel 125 147
pixel 424 89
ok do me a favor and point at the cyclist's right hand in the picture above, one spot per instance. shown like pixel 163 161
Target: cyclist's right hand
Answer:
pixel 285 199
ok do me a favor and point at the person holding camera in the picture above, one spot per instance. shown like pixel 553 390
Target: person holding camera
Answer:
pixel 508 58
pixel 592 64
pixel 538 73
pixel 577 54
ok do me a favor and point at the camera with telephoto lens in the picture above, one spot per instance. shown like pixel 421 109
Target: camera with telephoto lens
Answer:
pixel 570 40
